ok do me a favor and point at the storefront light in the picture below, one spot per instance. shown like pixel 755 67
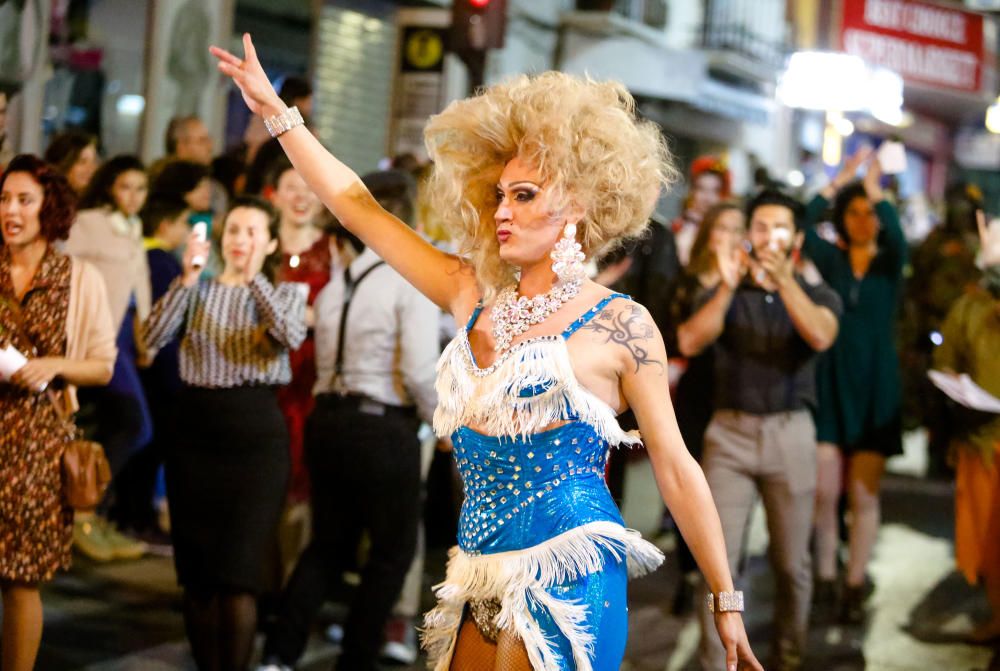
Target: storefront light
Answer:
pixel 819 80
pixel 832 146
pixel 993 117
pixel 890 115
pixel 844 126
pixel 832 81
pixel 130 105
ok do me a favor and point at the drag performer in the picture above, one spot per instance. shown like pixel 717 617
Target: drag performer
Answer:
pixel 534 175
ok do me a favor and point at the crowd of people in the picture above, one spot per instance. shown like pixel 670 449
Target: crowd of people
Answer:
pixel 254 340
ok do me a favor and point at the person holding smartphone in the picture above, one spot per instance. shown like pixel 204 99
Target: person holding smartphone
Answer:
pixel 227 471
pixel 766 327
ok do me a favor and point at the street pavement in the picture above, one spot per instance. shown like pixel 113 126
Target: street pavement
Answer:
pixel 126 616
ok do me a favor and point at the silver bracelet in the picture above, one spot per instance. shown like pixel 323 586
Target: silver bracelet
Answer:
pixel 284 122
pixel 725 602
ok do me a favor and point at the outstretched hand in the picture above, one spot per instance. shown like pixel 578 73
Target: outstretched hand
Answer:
pixel 873 181
pixel 249 76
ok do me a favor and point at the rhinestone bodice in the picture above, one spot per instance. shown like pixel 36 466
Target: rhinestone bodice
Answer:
pixel 524 482
pixel 519 492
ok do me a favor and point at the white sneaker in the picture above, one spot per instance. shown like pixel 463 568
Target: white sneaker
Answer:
pixel 274 667
pixel 400 641
pixel 401 653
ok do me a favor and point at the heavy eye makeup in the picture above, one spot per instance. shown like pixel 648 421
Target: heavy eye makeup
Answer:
pixel 521 194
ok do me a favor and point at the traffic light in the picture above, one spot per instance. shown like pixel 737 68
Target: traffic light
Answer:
pixel 477 25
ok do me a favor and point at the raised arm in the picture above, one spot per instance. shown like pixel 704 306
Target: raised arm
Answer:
pixel 440 276
pixel 679 478
pixel 706 324
pixel 282 310
pixel 891 237
pixel 822 252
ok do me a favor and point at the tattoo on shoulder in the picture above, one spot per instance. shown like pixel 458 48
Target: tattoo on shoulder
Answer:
pixel 628 328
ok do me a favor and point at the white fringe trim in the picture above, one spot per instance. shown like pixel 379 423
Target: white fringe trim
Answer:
pixel 490 400
pixel 519 578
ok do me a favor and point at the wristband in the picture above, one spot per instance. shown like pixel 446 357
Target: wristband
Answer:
pixel 284 122
pixel 725 602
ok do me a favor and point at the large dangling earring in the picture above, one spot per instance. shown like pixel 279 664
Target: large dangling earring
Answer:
pixel 567 257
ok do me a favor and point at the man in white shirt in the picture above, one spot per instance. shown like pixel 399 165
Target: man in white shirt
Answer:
pixel 376 352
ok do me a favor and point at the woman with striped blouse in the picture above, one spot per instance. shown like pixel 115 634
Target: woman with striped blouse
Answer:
pixel 227 472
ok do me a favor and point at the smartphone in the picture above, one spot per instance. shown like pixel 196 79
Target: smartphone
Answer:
pixel 201 218
pixel 780 237
pixel 200 231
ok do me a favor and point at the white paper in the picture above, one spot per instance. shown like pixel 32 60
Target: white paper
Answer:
pixel 11 361
pixel 892 158
pixel 962 390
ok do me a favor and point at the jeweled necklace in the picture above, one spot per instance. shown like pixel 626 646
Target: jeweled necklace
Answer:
pixel 512 315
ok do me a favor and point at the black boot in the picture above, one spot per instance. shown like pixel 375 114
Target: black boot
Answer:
pixel 852 605
pixel 824 608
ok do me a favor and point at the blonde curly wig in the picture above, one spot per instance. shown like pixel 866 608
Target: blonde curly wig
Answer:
pixel 581 135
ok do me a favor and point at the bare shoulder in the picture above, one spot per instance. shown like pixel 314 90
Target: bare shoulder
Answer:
pixel 628 330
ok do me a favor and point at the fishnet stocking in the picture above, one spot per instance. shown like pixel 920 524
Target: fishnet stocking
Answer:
pixel 473 652
pixel 511 653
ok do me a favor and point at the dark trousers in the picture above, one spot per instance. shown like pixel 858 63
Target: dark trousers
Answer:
pixel 136 486
pixel 364 466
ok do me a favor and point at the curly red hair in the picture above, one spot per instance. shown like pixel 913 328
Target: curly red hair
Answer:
pixel 58 202
pixel 715 166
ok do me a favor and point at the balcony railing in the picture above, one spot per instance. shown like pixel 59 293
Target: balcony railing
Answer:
pixel 652 13
pixel 755 29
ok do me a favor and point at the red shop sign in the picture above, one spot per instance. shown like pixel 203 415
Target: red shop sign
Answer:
pixel 925 43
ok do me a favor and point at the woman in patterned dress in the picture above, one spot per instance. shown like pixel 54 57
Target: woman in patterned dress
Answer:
pixel 55 312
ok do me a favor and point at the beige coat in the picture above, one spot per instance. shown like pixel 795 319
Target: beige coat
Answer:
pixel 90 332
pixel 113 244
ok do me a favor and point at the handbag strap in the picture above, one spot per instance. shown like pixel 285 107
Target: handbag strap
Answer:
pixel 72 430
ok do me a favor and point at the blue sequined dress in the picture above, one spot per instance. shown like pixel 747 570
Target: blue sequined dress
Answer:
pixel 538 532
